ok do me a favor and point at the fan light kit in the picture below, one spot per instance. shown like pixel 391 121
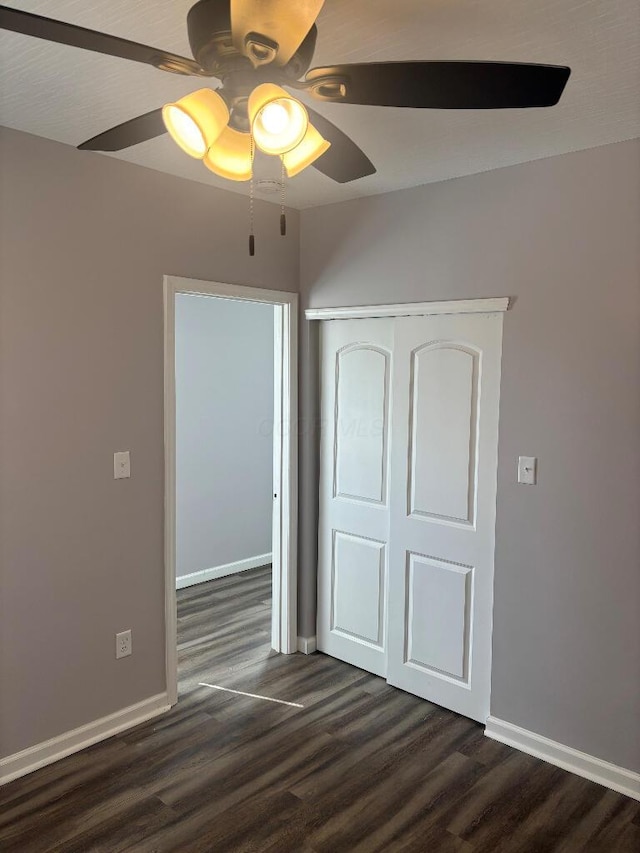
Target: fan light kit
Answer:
pixel 279 125
pixel 259 48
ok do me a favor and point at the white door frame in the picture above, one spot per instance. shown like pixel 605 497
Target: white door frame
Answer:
pixel 285 473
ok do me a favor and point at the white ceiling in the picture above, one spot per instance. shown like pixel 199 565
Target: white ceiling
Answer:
pixel 70 95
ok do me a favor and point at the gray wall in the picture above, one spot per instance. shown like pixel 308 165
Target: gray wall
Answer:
pixel 562 236
pixel 85 241
pixel 224 439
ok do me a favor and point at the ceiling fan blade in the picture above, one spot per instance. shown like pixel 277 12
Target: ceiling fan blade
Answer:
pixel 272 30
pixel 129 133
pixel 63 33
pixel 440 85
pixel 344 161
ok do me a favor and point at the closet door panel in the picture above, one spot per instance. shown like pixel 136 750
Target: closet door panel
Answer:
pixel 443 466
pixel 353 531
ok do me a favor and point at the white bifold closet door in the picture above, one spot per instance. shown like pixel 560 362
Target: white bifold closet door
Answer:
pixel 408 462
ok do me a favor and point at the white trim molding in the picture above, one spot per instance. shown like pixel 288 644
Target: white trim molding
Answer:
pixel 285 477
pixel 410 309
pixel 581 763
pixel 35 757
pixel 194 578
pixel 307 645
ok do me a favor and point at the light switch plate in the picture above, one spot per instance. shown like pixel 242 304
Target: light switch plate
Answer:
pixel 121 465
pixel 527 470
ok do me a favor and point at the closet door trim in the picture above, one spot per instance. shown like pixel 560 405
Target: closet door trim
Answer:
pixel 411 309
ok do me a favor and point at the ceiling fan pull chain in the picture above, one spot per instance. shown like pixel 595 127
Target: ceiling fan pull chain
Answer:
pixel 283 218
pixel 252 239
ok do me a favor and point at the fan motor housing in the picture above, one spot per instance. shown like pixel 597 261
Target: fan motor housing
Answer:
pixel 209 29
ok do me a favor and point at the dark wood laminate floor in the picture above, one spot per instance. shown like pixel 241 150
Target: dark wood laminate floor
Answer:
pixel 361 767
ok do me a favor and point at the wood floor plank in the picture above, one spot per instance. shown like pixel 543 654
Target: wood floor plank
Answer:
pixel 360 768
pixel 386 812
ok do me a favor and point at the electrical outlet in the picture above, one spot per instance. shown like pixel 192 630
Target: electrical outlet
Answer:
pixel 123 644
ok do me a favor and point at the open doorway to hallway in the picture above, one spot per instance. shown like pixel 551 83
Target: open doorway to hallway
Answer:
pixel 230 475
pixel 224 393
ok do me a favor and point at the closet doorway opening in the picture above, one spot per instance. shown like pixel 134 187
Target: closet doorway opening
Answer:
pixel 409 403
pixel 230 468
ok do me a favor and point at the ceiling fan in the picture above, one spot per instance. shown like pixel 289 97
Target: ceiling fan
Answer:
pixel 256 48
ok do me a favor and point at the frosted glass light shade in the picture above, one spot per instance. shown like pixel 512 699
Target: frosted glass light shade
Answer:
pixel 230 155
pixel 196 121
pixel 278 121
pixel 313 145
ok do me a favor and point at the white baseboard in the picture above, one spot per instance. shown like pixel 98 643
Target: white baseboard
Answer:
pixel 28 760
pixel 307 645
pixel 222 571
pixel 610 775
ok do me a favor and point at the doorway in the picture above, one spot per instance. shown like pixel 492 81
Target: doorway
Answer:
pixel 187 536
pixel 408 462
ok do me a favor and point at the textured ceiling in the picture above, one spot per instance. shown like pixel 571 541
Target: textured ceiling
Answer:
pixel 69 95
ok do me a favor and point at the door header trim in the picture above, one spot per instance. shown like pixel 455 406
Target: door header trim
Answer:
pixel 411 309
pixel 238 292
